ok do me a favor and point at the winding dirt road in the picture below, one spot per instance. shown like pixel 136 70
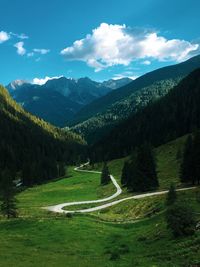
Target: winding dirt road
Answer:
pixel 59 208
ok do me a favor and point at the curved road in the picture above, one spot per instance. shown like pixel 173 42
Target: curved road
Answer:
pixel 59 208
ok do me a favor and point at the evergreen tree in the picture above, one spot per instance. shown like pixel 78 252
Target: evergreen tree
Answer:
pixel 196 158
pixel 187 166
pixel 61 169
pixel 8 206
pixel 105 175
pixel 171 196
pixel 144 170
pixel 125 177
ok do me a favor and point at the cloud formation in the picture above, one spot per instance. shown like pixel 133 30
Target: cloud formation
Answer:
pixel 44 80
pixel 20 48
pixel 125 74
pixel 38 51
pixel 146 62
pixel 41 51
pixel 4 36
pixel 20 36
pixel 110 45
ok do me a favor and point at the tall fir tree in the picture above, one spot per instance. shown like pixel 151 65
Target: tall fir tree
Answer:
pixel 8 206
pixel 144 170
pixel 171 196
pixel 139 173
pixel 105 175
pixel 187 165
pixel 125 177
pixel 196 158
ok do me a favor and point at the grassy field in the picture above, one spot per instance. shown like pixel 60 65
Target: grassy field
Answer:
pixel 41 238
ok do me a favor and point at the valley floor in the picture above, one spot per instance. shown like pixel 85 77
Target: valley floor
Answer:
pixel 42 238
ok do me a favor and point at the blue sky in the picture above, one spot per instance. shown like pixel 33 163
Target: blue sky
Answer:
pixel 99 39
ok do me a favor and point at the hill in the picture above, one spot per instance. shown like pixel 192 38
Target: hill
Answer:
pixel 172 116
pixel 58 100
pixel 96 119
pixel 32 149
pixel 101 124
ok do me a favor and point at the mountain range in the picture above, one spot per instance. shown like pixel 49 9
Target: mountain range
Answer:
pixel 59 99
pixel 92 109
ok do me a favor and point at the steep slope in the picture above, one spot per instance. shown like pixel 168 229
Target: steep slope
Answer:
pixel 172 116
pixel 58 100
pixel 102 104
pixel 101 124
pixel 30 148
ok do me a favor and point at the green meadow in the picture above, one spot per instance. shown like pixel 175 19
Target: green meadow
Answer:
pixel 132 233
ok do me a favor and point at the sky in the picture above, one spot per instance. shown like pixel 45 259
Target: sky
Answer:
pixel 41 39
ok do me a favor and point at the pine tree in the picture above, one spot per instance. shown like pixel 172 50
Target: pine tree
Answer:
pixel 105 175
pixel 125 174
pixel 187 166
pixel 61 169
pixel 144 170
pixel 8 206
pixel 196 158
pixel 171 196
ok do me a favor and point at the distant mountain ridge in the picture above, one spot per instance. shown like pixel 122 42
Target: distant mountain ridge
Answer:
pixel 58 100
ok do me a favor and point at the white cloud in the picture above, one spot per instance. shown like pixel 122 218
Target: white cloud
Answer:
pixel 110 45
pixel 20 48
pixel 44 80
pixel 37 51
pixel 41 51
pixel 4 36
pixel 126 74
pixel 146 62
pixel 30 54
pixel 20 36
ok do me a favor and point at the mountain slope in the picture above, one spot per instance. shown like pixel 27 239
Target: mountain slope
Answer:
pixel 102 104
pixel 49 105
pixel 58 100
pixel 101 124
pixel 170 117
pixel 30 148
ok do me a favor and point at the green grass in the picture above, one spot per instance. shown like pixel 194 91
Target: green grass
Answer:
pixel 40 238
pixel 86 242
pixel 78 186
pixel 168 162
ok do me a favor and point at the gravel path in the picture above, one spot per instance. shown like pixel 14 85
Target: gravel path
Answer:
pixel 59 208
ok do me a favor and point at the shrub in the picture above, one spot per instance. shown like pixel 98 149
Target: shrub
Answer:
pixel 114 256
pixel 180 219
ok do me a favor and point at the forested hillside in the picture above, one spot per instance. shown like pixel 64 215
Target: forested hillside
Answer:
pixel 101 124
pixel 32 149
pixel 172 116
